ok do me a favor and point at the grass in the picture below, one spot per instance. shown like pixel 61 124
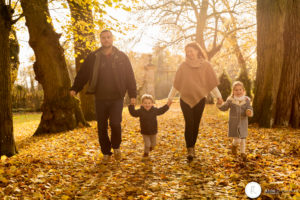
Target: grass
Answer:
pixel 24 125
pixel 20 118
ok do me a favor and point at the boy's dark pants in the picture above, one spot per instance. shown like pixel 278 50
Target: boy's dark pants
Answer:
pixel 192 118
pixel 109 110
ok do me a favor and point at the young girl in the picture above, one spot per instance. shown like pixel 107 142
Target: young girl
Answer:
pixel 148 122
pixel 240 110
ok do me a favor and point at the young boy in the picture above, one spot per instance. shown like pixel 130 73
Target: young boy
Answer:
pixel 148 122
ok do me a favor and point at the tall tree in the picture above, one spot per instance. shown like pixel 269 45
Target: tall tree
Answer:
pixel 14 49
pixel 233 39
pixel 277 93
pixel 7 142
pixel 84 43
pixel 288 106
pixel 192 20
pixel 60 111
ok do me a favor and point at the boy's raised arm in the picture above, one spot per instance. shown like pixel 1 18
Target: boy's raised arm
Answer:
pixel 162 109
pixel 133 112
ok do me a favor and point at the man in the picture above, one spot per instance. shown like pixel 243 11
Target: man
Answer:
pixel 110 75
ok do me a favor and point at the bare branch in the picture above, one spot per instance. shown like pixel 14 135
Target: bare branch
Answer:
pixel 194 8
pixel 216 32
pixel 176 41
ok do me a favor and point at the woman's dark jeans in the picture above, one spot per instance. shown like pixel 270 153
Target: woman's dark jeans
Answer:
pixel 192 118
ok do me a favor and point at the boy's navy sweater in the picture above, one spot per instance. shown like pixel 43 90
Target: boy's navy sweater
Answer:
pixel 148 121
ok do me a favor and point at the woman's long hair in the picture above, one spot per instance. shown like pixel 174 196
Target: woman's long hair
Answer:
pixel 201 52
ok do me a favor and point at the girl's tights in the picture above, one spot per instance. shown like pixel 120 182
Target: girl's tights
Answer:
pixel 242 142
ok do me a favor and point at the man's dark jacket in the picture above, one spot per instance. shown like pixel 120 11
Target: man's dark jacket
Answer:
pixel 148 121
pixel 91 68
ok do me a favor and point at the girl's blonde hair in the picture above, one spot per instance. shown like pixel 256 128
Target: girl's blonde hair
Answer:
pixel 147 96
pixel 238 83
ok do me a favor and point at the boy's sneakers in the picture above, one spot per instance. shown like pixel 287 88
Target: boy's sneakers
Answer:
pixel 244 157
pixel 234 149
pixel 117 154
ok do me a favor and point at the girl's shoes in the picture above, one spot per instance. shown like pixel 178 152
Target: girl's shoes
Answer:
pixel 234 149
pixel 244 157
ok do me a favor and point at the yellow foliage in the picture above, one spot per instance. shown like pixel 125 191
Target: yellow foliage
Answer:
pixel 68 165
pixel 3 158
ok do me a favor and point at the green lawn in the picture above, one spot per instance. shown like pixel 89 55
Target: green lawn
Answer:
pixel 25 124
pixel 20 118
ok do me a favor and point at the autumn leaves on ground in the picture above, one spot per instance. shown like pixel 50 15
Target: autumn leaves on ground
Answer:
pixel 68 165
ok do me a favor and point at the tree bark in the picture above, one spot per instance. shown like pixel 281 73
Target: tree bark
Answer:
pixel 277 93
pixel 288 107
pixel 14 49
pixel 201 23
pixel 7 142
pixel 84 41
pixel 59 108
pixel 270 20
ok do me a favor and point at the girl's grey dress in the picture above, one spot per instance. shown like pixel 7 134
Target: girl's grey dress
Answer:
pixel 238 120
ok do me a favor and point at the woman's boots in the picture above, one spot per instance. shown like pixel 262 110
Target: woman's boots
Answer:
pixel 191 154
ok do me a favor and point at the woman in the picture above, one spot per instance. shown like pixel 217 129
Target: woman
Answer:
pixel 194 80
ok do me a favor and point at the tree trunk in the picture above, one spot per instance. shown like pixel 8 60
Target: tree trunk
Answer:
pixel 84 42
pixel 277 94
pixel 288 106
pixel 270 20
pixel 14 49
pixel 59 108
pixel 201 23
pixel 243 73
pixel 234 39
pixel 201 27
pixel 7 142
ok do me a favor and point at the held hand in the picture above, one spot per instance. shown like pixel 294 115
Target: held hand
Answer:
pixel 219 101
pixel 249 112
pixel 132 101
pixel 72 93
pixel 169 102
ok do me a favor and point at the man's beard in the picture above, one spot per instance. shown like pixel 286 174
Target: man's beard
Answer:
pixel 107 46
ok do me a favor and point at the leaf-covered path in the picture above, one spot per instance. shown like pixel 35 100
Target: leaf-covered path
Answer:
pixel 68 165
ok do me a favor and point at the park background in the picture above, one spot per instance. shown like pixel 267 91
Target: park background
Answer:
pixel 42 46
